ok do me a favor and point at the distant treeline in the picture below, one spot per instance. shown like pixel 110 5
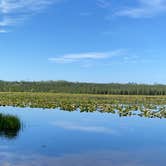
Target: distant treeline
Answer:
pixel 80 88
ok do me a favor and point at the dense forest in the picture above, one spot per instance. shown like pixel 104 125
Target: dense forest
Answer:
pixel 80 88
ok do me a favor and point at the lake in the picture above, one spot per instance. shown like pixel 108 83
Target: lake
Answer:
pixel 60 138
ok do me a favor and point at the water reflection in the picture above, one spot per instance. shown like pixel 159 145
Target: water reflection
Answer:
pixel 62 138
pixel 10 126
pixel 102 158
pixel 83 128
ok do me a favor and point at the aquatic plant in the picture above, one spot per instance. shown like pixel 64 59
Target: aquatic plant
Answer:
pixel 9 125
pixel 142 106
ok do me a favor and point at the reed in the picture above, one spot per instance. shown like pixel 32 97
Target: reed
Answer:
pixel 9 125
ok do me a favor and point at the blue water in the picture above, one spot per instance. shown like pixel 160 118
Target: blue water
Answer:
pixel 61 138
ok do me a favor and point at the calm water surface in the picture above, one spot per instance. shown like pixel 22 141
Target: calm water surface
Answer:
pixel 61 138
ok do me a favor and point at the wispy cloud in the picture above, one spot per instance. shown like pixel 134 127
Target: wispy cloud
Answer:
pixel 16 11
pixel 131 59
pixel 72 58
pixel 3 31
pixel 103 3
pixel 145 9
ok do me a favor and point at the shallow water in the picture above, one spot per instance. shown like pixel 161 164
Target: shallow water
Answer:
pixel 61 138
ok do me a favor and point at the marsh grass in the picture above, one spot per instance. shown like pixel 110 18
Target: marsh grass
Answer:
pixel 9 125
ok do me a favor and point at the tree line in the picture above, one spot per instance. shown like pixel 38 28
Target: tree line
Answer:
pixel 83 88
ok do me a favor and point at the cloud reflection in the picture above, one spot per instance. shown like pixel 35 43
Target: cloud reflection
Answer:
pixel 83 127
pixel 102 158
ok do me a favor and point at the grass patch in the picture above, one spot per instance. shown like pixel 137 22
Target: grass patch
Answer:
pixel 9 125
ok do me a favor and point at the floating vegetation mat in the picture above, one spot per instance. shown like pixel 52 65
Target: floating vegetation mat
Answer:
pixel 143 106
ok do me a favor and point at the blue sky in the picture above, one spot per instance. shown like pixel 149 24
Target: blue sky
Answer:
pixel 89 41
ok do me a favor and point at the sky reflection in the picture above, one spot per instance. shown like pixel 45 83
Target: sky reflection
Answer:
pixel 53 137
pixel 102 158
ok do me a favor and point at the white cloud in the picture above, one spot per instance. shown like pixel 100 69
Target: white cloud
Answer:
pixel 146 9
pixel 131 59
pixel 8 21
pixel 11 6
pixel 71 58
pixel 15 11
pixel 103 3
pixel 3 31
